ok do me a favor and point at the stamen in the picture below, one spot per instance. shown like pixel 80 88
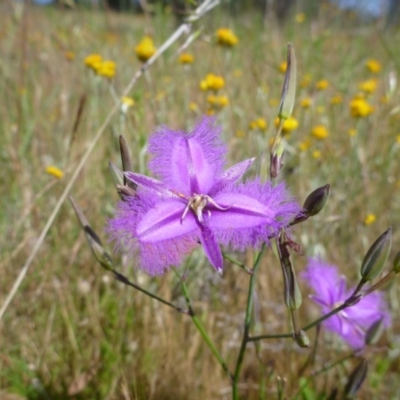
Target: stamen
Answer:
pixel 198 202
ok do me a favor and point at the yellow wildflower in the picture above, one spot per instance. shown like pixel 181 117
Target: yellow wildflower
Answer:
pixel 305 81
pixel 368 86
pixel 258 123
pixel 360 108
pixel 352 132
pixel 398 139
pixel 316 154
pixel 93 61
pixel 322 84
pixel 306 102
pixel 186 58
pixel 145 49
pixel 212 82
pixel 289 125
pixel 210 112
pixel 193 106
pixel 54 171
pixel 300 18
pixel 320 109
pixel 337 99
pixel 225 37
pixel 304 146
pixel 282 66
pixel 218 101
pixel 240 134
pixel 320 132
pixel 373 65
pixel 126 102
pixel 369 219
pixel 106 68
pixel 69 55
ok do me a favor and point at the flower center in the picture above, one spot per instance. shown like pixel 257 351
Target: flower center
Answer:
pixel 197 203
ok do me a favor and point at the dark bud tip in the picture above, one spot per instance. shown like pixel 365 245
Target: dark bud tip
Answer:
pixel 316 200
pixel 356 379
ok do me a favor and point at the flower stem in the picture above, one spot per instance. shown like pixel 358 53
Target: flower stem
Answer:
pixel 241 265
pixel 202 330
pixel 247 324
pixel 126 281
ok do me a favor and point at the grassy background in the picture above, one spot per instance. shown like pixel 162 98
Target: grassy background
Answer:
pixel 72 331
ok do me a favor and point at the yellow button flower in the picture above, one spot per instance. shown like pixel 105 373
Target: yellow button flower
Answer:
pixel 212 82
pixel 226 37
pixel 218 101
pixel 305 81
pixel 54 171
pixel 337 99
pixel 320 132
pixel 69 55
pixel 360 108
pixel 106 69
pixel 369 219
pixel 322 84
pixel 258 123
pixel 145 49
pixel 289 125
pixel 304 146
pixel 306 102
pixel 126 103
pixel 186 58
pixel 369 86
pixel 316 154
pixel 373 65
pixel 282 66
pixel 93 61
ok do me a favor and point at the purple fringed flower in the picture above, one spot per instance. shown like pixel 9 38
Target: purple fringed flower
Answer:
pixel 196 201
pixel 330 292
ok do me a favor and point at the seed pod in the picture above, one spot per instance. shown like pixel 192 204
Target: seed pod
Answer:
pixel 375 259
pixel 356 379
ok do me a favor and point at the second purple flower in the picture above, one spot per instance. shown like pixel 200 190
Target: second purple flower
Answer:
pixel 196 201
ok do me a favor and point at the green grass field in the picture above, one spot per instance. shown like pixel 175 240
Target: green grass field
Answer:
pixel 72 331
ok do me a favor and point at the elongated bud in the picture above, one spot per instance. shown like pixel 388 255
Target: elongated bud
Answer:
pixel 396 263
pixel 356 379
pixel 116 174
pixel 292 294
pixel 126 160
pixel 376 256
pixel 93 240
pixel 277 160
pixel 374 332
pixel 302 339
pixel 316 200
pixel 289 86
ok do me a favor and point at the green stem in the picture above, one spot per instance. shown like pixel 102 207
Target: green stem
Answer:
pixel 322 370
pixel 126 281
pixel 306 328
pixel 247 324
pixel 241 265
pixel 202 330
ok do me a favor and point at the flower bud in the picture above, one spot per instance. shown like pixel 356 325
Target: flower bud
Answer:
pixel 292 294
pixel 302 339
pixel 277 160
pixel 316 200
pixel 376 256
pixel 289 86
pixel 396 263
pixel 374 332
pixel 356 379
